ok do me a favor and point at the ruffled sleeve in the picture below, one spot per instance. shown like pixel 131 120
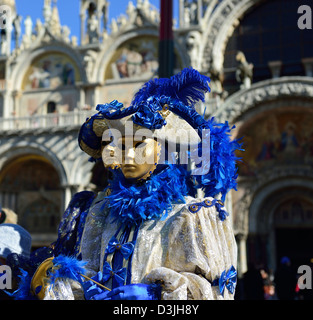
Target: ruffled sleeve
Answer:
pixel 194 255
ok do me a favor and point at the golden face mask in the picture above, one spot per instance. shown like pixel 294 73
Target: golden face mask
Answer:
pixel 137 159
pixel 40 281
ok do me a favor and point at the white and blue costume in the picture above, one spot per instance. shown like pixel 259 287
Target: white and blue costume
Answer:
pixel 153 239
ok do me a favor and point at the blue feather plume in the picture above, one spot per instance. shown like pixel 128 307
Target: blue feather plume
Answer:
pixel 67 267
pixel 151 88
pixel 187 87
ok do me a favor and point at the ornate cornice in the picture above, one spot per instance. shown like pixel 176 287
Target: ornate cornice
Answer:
pixel 263 92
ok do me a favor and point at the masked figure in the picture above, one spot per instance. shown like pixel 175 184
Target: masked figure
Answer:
pixel 148 235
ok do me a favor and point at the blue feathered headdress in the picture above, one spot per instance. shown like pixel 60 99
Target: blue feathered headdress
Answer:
pixel 180 93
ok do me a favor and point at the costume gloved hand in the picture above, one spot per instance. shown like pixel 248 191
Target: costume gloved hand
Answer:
pixel 91 289
pixel 138 291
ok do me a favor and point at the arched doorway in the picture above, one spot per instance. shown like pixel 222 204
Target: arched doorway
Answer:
pixel 293 223
pixel 281 224
pixel 276 171
pixel 30 185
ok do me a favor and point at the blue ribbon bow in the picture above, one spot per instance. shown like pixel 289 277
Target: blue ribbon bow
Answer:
pixel 227 280
pixel 108 108
pixel 125 249
pixel 118 275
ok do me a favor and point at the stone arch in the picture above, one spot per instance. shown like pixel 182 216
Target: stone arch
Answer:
pixel 264 206
pixel 25 60
pixel 274 103
pixel 31 186
pixel 27 157
pixel 264 193
pixel 280 97
pixel 105 56
pixel 220 26
pixel 22 148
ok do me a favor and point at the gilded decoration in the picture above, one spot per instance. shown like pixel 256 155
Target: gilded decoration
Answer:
pixel 136 58
pixel 50 71
pixel 283 139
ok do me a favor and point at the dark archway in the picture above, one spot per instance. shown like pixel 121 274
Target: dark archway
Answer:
pixel 30 185
pixel 284 226
pixel 293 222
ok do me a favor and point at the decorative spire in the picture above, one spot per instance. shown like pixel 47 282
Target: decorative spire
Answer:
pixel 11 4
pixel 55 26
pixel 47 13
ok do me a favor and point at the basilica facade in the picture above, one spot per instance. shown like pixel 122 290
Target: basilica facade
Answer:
pixel 260 63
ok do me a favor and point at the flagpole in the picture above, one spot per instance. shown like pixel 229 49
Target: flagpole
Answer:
pixel 166 39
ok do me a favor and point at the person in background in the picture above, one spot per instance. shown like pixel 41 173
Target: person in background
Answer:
pixel 14 239
pixel 7 216
pixel 253 284
pixel 285 280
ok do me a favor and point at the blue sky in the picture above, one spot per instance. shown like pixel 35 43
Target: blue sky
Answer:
pixel 69 11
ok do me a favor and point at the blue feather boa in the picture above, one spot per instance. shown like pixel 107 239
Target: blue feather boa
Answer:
pixel 23 292
pixel 222 175
pixel 150 200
